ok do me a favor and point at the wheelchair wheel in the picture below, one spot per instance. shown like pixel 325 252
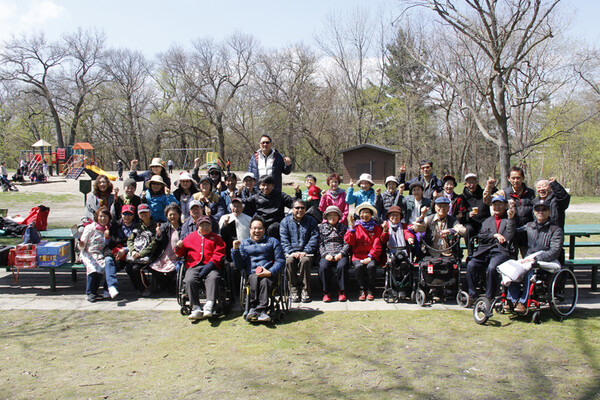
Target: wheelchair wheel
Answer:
pixel 244 288
pixel 481 310
pixel 390 295
pixel 563 293
pixel 285 298
pixel 420 298
pixel 462 299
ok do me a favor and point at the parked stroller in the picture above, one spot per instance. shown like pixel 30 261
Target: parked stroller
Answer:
pixel 8 186
pixel 438 278
pixel 398 274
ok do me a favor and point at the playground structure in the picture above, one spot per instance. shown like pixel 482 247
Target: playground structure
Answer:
pixel 83 158
pixel 34 158
pixel 185 157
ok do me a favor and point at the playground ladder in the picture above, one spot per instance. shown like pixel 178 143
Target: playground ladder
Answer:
pixel 74 173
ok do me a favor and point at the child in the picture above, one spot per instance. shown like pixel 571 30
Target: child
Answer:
pixel 335 196
pixel 312 194
pixel 391 197
pixel 128 198
pixel 157 198
pixel 230 192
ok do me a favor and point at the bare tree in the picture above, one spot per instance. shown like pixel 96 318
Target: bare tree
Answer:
pixel 506 32
pixel 33 61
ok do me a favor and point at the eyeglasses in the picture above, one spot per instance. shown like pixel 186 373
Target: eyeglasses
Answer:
pixel 299 208
pixel 215 173
pixel 128 214
pixel 539 210
pixel 265 142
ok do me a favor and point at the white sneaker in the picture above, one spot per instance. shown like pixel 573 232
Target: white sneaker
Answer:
pixel 113 292
pixel 105 295
pixel 196 314
pixel 208 309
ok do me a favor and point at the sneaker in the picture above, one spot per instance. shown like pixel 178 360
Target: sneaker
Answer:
pixel 113 292
pixel 91 298
pixel 208 309
pixel 370 296
pixel 196 314
pixel 294 295
pixel 264 317
pixel 147 292
pixel 362 296
pixel 326 297
pixel 252 315
pixel 520 308
pixel 507 306
pixel 305 296
pixel 342 296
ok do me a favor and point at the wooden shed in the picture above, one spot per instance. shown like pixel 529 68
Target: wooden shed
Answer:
pixel 378 161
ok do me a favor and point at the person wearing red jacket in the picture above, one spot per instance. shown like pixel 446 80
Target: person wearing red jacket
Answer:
pixel 364 237
pixel 204 252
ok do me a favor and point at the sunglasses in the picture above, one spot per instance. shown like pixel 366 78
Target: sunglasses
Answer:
pixel 128 214
pixel 266 142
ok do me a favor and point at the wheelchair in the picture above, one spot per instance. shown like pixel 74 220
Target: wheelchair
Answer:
pixel 437 278
pixel 280 301
pixel 557 290
pixel 398 275
pixel 224 294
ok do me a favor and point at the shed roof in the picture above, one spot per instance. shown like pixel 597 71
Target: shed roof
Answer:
pixel 370 146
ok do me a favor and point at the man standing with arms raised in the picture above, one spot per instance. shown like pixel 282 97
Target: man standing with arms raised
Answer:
pixel 266 161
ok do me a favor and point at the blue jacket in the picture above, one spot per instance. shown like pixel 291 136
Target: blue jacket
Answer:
pixel 302 237
pixel 279 168
pixel 360 197
pixel 266 253
pixel 158 204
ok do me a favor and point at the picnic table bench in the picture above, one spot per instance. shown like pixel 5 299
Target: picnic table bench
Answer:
pixel 584 230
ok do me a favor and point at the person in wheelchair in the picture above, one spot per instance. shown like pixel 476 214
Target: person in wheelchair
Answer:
pixel 398 238
pixel 204 252
pixel 544 244
pixel 494 237
pixel 439 229
pixel 261 258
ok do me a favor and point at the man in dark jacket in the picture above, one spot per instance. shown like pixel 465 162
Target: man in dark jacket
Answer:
pixel 472 210
pixel 267 161
pixel 521 195
pixel 545 242
pixel 494 237
pixel 556 197
pixel 270 204
pixel 300 241
pixel 431 184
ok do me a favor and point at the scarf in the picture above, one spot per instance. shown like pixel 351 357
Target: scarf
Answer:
pixel 336 193
pixel 369 226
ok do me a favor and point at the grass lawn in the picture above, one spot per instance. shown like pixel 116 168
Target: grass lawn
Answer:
pixel 355 355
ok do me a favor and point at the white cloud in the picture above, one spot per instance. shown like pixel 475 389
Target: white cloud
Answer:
pixel 18 16
pixel 40 12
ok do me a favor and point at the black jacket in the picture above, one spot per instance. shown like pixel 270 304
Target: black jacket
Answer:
pixel 558 200
pixel 468 202
pixel 271 207
pixel 547 238
pixel 487 242
pixel 524 204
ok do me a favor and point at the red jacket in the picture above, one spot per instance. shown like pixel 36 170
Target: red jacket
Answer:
pixel 199 249
pixel 364 242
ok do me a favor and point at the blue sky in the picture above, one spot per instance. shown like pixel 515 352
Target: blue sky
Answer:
pixel 152 26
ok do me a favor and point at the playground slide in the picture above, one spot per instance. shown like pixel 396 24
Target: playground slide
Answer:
pixel 100 171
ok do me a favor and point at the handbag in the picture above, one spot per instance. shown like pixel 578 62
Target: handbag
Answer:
pixel 31 234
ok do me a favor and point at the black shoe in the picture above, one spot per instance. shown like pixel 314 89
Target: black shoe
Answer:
pixel 91 298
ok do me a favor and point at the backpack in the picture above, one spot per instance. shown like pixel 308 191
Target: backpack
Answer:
pixel 39 216
pixel 31 234
pixel 140 242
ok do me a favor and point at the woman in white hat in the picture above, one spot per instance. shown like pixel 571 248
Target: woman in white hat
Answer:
pixel 157 167
pixel 186 187
pixel 366 194
pixel 364 236
pixel 334 252
pixel 158 197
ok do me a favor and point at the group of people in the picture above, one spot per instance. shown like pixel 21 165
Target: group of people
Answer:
pixel 208 220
